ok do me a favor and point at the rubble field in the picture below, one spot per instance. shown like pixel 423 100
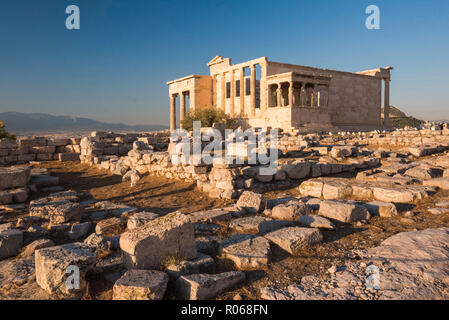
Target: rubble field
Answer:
pixel 345 216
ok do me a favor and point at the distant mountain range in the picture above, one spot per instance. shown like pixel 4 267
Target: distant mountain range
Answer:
pixel 17 122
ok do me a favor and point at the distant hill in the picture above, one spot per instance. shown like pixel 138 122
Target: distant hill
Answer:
pixel 394 113
pixel 17 122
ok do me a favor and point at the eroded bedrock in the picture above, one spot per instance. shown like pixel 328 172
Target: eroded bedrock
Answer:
pixel 409 265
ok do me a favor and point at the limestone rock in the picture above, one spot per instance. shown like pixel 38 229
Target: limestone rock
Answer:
pixel 212 216
pixel 246 251
pixel 257 224
pixel 78 230
pixel 335 190
pixel 5 197
pixel 251 202
pixel 273 293
pixel 13 177
pixel 382 209
pixel 438 211
pixel 111 226
pixel 315 221
pixel 397 195
pixel 139 219
pixel 98 243
pixel 294 239
pixel 312 188
pixel 343 211
pixel 10 243
pixel 442 183
pixel 290 210
pixel 207 286
pixel 52 267
pixel 202 263
pixel 35 245
pixel 57 212
pixel 141 285
pixel 148 246
pixel 297 169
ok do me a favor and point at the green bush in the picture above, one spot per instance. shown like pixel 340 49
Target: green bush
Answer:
pixel 208 117
pixel 4 133
pixel 405 122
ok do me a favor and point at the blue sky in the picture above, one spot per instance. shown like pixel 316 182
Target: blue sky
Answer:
pixel 115 67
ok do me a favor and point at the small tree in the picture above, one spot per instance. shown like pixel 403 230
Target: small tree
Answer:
pixel 208 117
pixel 4 133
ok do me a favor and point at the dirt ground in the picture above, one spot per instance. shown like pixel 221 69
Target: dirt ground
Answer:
pixel 162 195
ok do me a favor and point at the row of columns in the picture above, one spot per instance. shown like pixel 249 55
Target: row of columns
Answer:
pixel 222 85
pixel 182 109
pixel 314 97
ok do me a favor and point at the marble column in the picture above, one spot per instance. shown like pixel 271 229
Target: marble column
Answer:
pixel 223 92
pixel 253 91
pixel 182 108
pixel 290 93
pixel 302 95
pixel 387 103
pixel 279 95
pixel 172 112
pixel 232 95
pixel 242 91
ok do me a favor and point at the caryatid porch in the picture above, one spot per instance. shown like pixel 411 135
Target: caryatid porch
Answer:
pixel 292 89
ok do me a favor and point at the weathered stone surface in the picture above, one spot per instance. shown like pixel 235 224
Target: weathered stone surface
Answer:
pixel 79 230
pixel 273 293
pixel 334 190
pixel 362 191
pixel 10 243
pixel 257 224
pixel 98 243
pixel 339 152
pixel 140 218
pixel 141 285
pixel 148 246
pixel 206 286
pixel 315 221
pixel 251 202
pixel 297 169
pixel 294 239
pixel 111 226
pixel 343 211
pixel 382 209
pixel 57 212
pixel 5 197
pixel 442 183
pixel 290 210
pixel 424 173
pixel 206 228
pixel 396 195
pixel 35 245
pixel 52 265
pixel 19 195
pixel 13 177
pixel 15 273
pixel 246 251
pixel 212 216
pixel 423 275
pixel 202 263
pixel 208 245
pixel 438 211
pixel 312 188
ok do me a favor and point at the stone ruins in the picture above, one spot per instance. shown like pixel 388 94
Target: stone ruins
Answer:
pixel 328 187
pixel 286 96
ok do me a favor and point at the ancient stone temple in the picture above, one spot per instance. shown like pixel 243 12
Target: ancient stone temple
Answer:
pixel 265 94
